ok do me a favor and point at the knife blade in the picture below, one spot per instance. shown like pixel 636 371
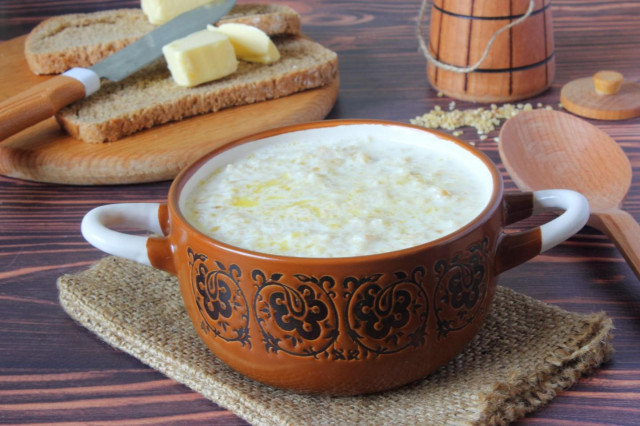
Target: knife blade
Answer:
pixel 45 99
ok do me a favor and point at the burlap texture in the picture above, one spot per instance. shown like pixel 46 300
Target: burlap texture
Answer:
pixel 525 353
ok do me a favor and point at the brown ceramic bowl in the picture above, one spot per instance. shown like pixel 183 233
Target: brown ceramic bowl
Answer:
pixel 338 325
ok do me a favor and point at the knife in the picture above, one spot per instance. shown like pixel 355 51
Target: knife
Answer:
pixel 45 99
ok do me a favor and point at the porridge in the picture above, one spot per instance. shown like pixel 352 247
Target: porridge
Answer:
pixel 337 198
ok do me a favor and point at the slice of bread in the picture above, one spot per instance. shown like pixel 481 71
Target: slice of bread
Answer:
pixel 81 40
pixel 150 97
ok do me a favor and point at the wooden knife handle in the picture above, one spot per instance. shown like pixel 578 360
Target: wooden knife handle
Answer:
pixel 38 103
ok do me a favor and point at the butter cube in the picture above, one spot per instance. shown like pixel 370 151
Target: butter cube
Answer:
pixel 160 11
pixel 250 43
pixel 200 57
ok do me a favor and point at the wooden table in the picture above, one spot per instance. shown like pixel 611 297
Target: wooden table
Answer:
pixel 52 370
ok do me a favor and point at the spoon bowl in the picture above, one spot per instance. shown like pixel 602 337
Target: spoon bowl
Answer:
pixel 551 149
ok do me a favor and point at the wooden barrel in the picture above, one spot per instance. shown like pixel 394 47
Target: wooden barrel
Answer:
pixel 520 63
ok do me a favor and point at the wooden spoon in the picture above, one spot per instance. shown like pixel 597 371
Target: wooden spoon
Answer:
pixel 545 149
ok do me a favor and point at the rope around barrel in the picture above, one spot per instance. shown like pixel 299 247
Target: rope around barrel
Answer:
pixel 425 49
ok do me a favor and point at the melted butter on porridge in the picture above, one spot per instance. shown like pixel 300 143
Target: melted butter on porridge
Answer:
pixel 336 198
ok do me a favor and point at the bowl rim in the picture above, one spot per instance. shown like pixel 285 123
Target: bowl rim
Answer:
pixel 495 199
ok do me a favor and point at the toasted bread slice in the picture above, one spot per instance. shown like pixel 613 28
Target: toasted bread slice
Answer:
pixel 150 97
pixel 80 40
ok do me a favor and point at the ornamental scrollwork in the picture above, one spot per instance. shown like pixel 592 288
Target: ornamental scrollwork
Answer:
pixel 387 317
pixel 461 288
pixel 296 316
pixel 222 305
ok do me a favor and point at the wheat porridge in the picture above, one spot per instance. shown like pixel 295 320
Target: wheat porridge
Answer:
pixel 337 198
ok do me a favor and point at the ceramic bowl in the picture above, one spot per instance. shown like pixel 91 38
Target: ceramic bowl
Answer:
pixel 347 325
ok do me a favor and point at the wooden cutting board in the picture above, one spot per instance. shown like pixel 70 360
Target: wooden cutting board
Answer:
pixel 45 153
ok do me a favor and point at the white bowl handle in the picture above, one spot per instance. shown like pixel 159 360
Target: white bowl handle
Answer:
pixel 144 216
pixel 516 248
pixel 574 218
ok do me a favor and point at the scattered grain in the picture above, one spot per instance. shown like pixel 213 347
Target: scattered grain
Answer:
pixel 484 120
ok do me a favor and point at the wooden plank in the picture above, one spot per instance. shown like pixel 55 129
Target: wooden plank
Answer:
pixel 382 76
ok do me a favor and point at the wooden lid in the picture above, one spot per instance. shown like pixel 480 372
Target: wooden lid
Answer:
pixel 605 96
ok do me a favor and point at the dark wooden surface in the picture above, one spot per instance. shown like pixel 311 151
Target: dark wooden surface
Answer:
pixel 52 370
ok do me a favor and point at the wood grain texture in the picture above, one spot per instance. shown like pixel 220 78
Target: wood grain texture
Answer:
pixel 624 230
pixel 45 153
pixel 37 103
pixel 569 152
pixel 520 63
pixel 580 97
pixel 53 370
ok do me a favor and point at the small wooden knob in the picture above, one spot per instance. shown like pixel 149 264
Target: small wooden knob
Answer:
pixel 607 82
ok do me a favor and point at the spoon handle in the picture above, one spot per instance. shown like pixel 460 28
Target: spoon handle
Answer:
pixel 623 229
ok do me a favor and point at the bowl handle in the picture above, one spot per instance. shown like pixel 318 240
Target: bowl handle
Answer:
pixel 516 248
pixel 153 217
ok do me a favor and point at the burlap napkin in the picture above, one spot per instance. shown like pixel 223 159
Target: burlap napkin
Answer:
pixel 524 354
